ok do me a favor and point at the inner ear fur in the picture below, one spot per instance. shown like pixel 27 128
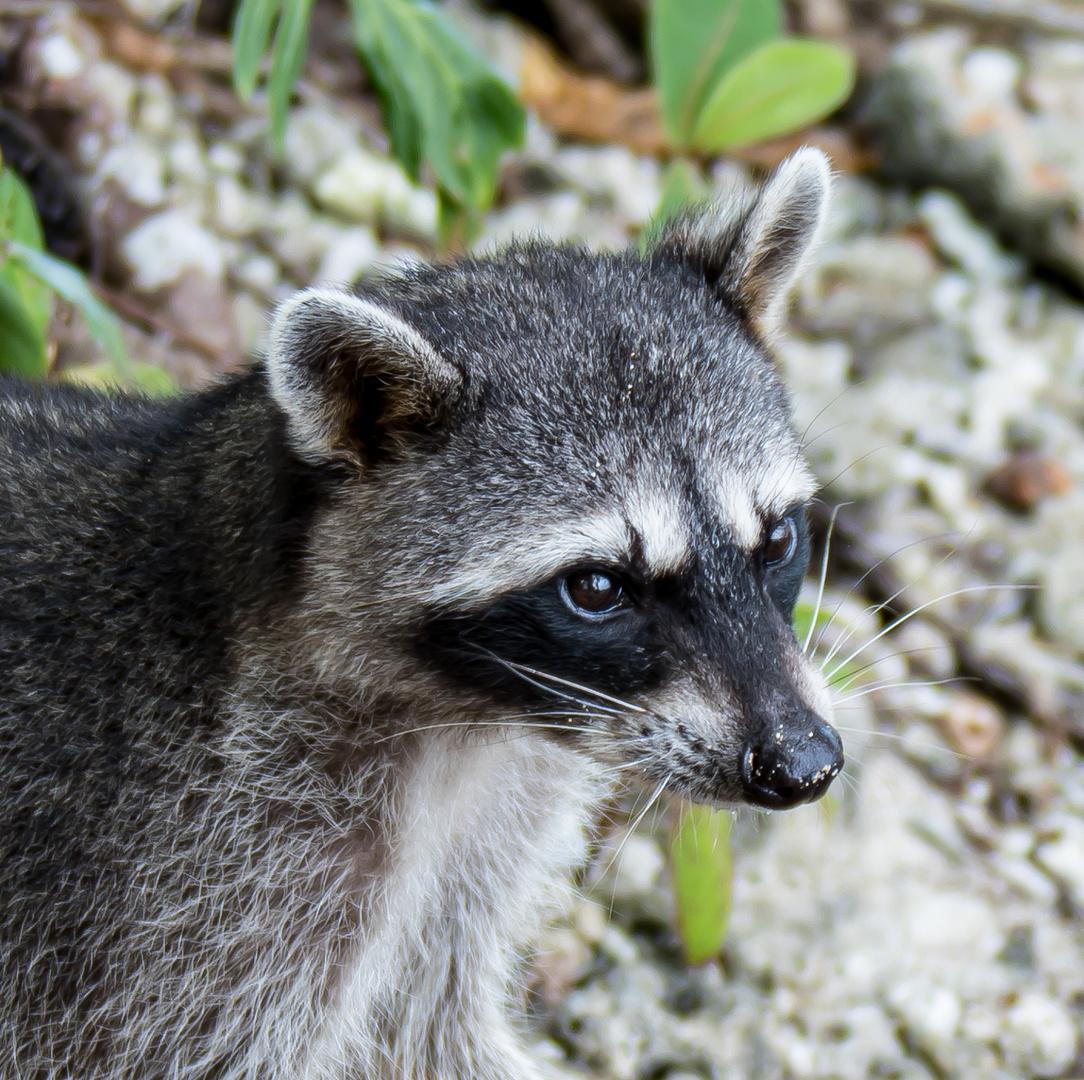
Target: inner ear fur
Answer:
pixel 354 379
pixel 753 243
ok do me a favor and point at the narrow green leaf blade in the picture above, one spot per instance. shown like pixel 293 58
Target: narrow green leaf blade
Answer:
pixel 287 61
pixel 22 346
pixel 702 871
pixel 780 88
pixel 444 105
pixel 19 221
pixel 693 43
pixel 68 282
pixel 251 34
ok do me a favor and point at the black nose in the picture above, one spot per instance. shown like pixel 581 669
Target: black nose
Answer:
pixel 793 764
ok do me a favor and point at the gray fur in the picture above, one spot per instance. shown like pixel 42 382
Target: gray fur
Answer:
pixel 280 796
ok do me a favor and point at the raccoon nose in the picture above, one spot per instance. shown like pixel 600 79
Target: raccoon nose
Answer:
pixel 794 765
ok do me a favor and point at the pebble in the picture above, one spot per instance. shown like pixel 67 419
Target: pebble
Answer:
pixel 973 724
pixel 1040 1036
pixel 351 254
pixel 136 166
pixel 363 187
pixel 1062 855
pixel 1026 478
pixel 315 139
pixel 929 1014
pixel 164 246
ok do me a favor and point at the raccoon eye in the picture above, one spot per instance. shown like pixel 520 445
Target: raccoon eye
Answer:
pixel 592 592
pixel 782 540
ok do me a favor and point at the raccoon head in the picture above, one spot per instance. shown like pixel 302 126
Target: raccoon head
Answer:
pixel 571 497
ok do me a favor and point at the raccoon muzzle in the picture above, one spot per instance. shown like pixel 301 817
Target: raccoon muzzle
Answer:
pixel 792 764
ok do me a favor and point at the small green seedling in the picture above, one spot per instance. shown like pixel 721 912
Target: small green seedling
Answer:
pixel 701 866
pixel 445 107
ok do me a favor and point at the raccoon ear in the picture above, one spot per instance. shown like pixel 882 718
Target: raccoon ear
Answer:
pixel 754 244
pixel 354 379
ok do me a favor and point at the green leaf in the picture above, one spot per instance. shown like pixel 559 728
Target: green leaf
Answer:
pixel 251 33
pixel 683 189
pixel 287 61
pixel 68 282
pixel 19 221
pixel 702 871
pixel 783 86
pixel 444 105
pixel 147 379
pixel 22 351
pixel 693 43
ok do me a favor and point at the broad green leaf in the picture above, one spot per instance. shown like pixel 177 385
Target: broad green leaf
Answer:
pixel 693 43
pixel 22 345
pixel 702 871
pixel 251 32
pixel 781 87
pixel 287 61
pixel 19 221
pixel 683 189
pixel 68 282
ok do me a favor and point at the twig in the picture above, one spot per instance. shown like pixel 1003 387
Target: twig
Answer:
pixel 149 320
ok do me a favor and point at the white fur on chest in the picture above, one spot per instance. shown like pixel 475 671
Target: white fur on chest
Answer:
pixel 484 838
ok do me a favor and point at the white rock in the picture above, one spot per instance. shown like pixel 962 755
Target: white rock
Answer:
pixel 962 240
pixel 411 209
pixel 237 210
pixel 137 167
pixel 614 173
pixel 314 140
pixel 366 188
pixel 1063 856
pixel 1040 1037
pixel 257 272
pixel 112 89
pixel 300 250
pixel 351 253
pixel 165 245
pixel 59 57
pixel 186 161
pixel 354 185
pixel 991 73
pixel 930 1014
pixel 155 114
pixel 152 10
pixel 224 157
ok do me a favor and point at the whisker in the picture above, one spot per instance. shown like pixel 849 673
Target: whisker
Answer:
pixel 630 829
pixel 824 575
pixel 874 687
pixel 915 611
pixel 623 705
pixel 510 722
pixel 904 739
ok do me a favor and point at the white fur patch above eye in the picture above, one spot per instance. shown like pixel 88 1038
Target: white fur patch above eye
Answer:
pixel 544 552
pixel 539 554
pixel 745 507
pixel 659 520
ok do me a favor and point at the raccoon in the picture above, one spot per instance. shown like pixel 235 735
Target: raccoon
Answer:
pixel 311 683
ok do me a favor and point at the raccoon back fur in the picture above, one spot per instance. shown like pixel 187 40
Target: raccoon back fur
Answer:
pixel 311 683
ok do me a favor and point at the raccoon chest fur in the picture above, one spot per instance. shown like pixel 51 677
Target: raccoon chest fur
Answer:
pixel 311 684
